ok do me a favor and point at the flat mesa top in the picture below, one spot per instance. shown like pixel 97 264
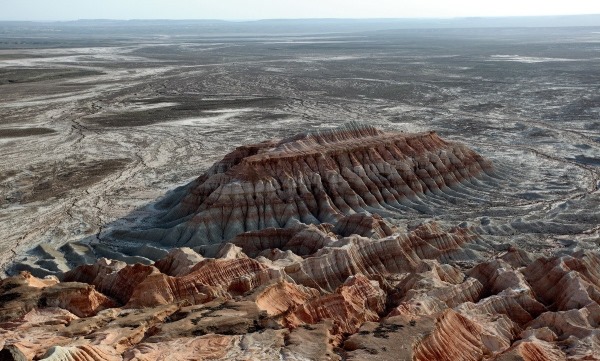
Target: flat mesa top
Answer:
pixel 353 143
pixel 345 139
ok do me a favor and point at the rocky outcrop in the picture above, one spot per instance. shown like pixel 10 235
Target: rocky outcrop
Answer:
pixel 316 178
pixel 491 311
pixel 302 240
pixel 291 258
pixel 357 301
pixel 18 297
pixel 372 226
pixel 567 282
pixel 144 286
pixel 282 297
pixel 209 347
pixel 30 335
pixel 532 350
pixel 576 329
pixel 329 267
pixel 456 337
pixel 81 353
pixel 178 262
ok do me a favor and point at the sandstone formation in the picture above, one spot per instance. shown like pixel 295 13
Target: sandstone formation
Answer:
pixel 288 256
pixel 231 308
pixel 352 304
pixel 331 266
pixel 316 178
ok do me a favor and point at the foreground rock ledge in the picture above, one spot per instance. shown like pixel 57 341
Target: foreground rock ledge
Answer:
pixel 411 307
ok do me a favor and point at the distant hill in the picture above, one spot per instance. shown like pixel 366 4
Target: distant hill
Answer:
pixel 285 26
pixel 409 23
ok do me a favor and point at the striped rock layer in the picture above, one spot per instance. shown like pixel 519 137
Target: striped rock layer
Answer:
pixel 316 178
pixel 413 307
pixel 299 263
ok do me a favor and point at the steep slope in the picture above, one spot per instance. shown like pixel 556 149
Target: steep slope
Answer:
pixel 316 178
pixel 292 256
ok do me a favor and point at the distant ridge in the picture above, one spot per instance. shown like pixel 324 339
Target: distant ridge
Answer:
pixel 333 24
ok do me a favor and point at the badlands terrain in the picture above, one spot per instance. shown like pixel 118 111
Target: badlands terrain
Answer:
pixel 338 191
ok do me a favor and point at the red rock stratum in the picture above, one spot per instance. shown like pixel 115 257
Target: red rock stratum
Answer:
pixel 317 178
pixel 292 250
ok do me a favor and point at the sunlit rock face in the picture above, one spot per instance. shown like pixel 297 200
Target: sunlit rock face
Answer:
pixel 237 307
pixel 315 178
pixel 288 249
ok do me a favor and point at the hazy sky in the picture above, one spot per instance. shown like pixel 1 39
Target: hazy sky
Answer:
pixel 266 9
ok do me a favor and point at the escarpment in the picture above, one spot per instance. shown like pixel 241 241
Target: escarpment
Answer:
pixel 424 309
pixel 317 178
pixel 321 246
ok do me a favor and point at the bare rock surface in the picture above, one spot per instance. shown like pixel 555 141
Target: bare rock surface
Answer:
pixel 206 197
pixel 417 308
pixel 298 263
pixel 317 178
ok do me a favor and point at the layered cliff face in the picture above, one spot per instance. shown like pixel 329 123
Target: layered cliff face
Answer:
pixel 295 252
pixel 318 178
pixel 231 308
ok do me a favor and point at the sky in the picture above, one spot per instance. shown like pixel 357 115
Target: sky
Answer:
pixel 285 9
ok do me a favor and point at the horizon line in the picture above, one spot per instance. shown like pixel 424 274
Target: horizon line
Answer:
pixel 309 18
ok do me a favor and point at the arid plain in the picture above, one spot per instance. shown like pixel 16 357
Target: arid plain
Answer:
pixel 95 133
